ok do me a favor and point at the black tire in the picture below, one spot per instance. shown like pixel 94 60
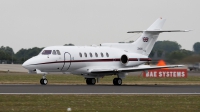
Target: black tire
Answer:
pixel 93 81
pixel 43 81
pixel 90 81
pixel 117 81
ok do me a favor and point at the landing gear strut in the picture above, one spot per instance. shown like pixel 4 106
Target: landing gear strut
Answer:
pixel 43 80
pixel 90 81
pixel 117 81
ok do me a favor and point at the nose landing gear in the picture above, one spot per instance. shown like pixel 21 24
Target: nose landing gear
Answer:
pixel 43 80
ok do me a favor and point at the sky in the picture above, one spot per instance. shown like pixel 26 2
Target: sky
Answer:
pixel 42 23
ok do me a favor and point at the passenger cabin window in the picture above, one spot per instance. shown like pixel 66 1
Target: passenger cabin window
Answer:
pixel 54 52
pixel 107 54
pixel 80 54
pixel 85 54
pixel 58 52
pixel 46 52
pixel 90 54
pixel 101 54
pixel 96 54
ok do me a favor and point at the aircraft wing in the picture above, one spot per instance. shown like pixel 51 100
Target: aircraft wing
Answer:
pixel 133 69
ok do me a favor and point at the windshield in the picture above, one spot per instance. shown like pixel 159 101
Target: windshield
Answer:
pixel 58 52
pixel 46 52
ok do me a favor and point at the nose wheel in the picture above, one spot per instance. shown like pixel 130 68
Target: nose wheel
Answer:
pixel 117 81
pixel 43 80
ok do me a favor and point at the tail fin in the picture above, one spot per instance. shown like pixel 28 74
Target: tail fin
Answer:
pixel 157 25
pixel 144 44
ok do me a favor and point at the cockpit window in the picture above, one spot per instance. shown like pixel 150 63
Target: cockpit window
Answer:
pixel 54 52
pixel 46 52
pixel 58 52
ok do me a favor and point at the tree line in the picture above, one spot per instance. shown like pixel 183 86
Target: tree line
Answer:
pixel 8 56
pixel 171 51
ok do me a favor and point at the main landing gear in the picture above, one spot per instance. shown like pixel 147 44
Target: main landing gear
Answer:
pixel 91 81
pixel 117 81
pixel 43 80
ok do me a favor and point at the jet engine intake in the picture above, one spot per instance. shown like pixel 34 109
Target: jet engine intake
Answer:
pixel 124 59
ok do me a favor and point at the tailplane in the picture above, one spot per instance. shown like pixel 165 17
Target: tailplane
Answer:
pixel 144 44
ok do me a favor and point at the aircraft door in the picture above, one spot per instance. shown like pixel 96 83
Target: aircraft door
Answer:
pixel 67 61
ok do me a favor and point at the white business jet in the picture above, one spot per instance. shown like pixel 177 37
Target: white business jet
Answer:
pixel 94 62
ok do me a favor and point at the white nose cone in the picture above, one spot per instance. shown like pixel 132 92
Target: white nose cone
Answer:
pixel 24 64
pixel 28 64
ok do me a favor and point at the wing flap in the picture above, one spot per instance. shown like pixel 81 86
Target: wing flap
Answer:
pixel 102 71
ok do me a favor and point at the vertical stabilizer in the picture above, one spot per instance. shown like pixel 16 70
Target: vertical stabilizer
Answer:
pixel 144 44
pixel 157 25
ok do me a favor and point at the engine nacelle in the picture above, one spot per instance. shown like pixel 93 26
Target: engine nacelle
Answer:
pixel 124 59
pixel 133 59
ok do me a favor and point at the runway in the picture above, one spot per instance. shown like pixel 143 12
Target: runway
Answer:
pixel 99 89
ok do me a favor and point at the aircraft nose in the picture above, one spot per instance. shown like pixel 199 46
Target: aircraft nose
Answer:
pixel 28 64
pixel 25 64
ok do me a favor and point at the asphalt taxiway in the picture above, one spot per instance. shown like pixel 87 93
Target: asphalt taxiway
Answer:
pixel 99 89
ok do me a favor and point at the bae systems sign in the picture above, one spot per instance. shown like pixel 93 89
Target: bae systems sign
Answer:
pixel 168 73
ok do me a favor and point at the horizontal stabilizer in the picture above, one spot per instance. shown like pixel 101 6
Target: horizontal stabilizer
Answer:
pixel 158 31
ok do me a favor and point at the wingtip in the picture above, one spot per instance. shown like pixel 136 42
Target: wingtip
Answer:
pixel 180 65
pixel 187 30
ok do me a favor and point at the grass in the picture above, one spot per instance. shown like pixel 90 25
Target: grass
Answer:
pixel 24 78
pixel 100 103
pixel 97 103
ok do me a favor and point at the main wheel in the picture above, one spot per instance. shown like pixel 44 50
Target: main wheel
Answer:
pixel 93 81
pixel 90 81
pixel 43 81
pixel 117 81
